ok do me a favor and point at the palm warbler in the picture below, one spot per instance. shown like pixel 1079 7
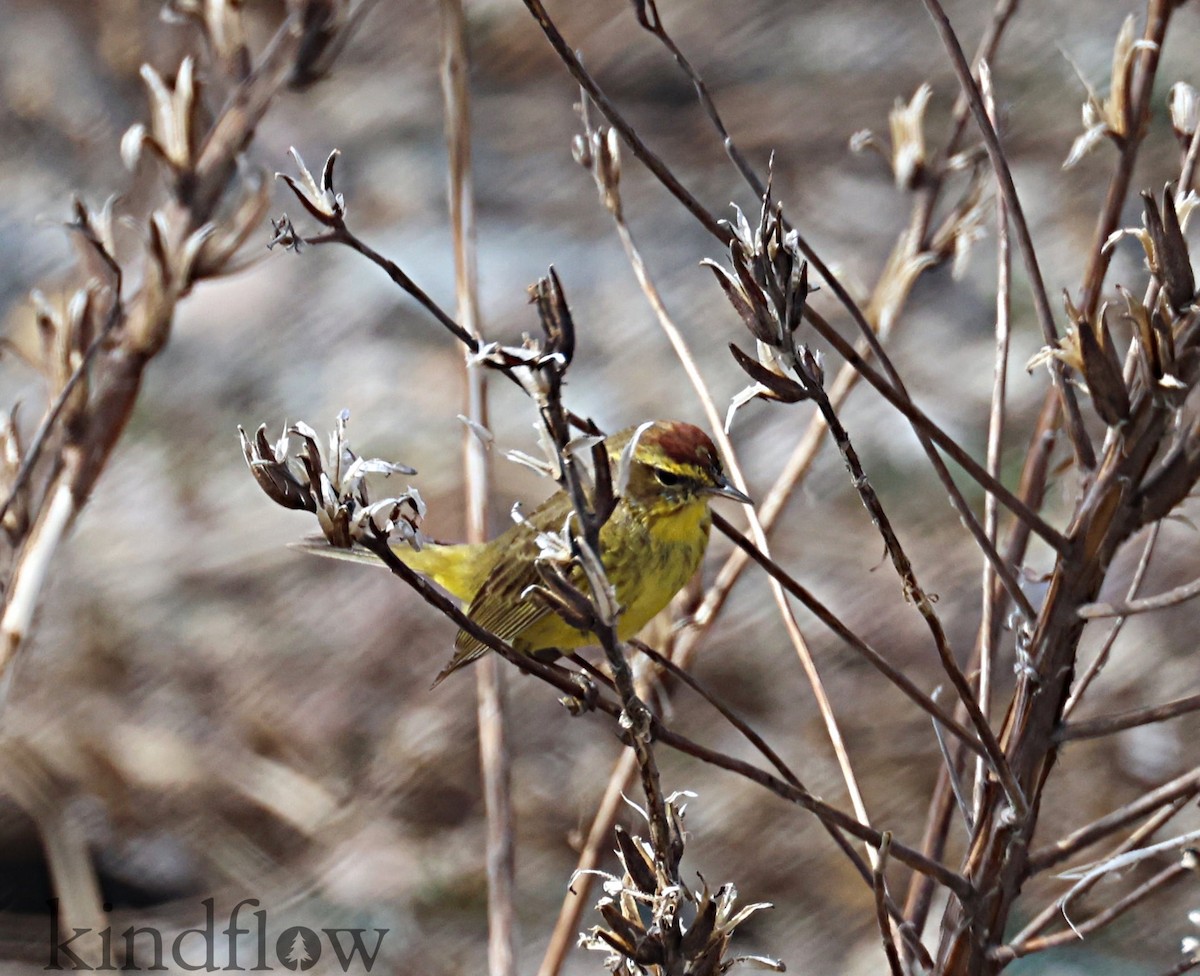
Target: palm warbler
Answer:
pixel 650 547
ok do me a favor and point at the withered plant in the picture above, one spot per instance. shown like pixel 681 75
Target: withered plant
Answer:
pixel 1117 431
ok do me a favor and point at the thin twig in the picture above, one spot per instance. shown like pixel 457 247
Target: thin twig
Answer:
pixel 927 427
pixel 989 619
pixel 728 714
pixel 643 152
pixel 1187 785
pixel 606 178
pixel 1096 727
pixel 897 677
pixel 896 393
pixel 563 682
pixel 1078 931
pixel 1084 452
pixel 649 18
pixel 881 916
pixel 1110 639
pixel 1145 604
pixel 489 679
pixel 954 882
pixel 1053 910
pixel 950 768
pixel 916 594
pixel 340 233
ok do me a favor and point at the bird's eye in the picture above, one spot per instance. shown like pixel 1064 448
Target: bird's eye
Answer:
pixel 667 479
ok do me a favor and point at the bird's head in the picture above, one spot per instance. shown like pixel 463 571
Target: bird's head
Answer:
pixel 672 464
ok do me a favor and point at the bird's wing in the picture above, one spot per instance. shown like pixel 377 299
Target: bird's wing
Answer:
pixel 498 606
pixel 318 545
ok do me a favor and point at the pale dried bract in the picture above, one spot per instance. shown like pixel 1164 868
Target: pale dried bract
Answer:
pixel 333 485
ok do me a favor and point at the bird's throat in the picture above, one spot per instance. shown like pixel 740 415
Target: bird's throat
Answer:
pixel 681 524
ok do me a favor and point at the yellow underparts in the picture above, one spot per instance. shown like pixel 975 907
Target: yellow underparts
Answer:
pixel 647 571
pixel 657 555
pixel 459 569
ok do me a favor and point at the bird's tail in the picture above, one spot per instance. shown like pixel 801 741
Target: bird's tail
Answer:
pixel 458 569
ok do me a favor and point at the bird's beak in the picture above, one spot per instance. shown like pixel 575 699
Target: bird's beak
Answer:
pixel 725 489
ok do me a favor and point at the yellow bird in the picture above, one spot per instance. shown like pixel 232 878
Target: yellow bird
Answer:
pixel 650 547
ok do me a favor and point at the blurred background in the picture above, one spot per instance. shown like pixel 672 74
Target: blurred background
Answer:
pixel 181 637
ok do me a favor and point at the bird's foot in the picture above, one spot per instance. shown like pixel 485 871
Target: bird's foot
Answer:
pixel 585 701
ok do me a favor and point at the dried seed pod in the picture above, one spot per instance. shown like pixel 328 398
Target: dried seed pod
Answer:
pixel 1184 104
pixel 1109 117
pixel 320 199
pixel 697 936
pixel 640 871
pixel 1168 253
pixel 1102 371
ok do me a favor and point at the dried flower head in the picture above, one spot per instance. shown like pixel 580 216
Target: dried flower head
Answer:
pixel 653 926
pixel 1190 944
pixel 174 124
pixel 1110 117
pixel 16 515
pixel 1089 350
pixel 220 23
pixel 768 288
pixel 908 156
pixel 1155 344
pixel 1172 262
pixel 1184 104
pixel 333 487
pixel 539 363
pixel 964 226
pixel 599 152
pixel 1167 255
pixel 319 198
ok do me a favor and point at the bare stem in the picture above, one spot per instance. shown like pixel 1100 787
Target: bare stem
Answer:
pixel 1084 452
pixel 1185 786
pixel 1080 930
pixel 1043 919
pixel 643 152
pixel 989 619
pixel 611 194
pixel 1101 658
pixel 489 679
pixel 1096 727
pixel 1160 601
pixel 897 677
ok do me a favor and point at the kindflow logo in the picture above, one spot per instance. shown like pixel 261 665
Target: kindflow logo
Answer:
pixel 242 946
